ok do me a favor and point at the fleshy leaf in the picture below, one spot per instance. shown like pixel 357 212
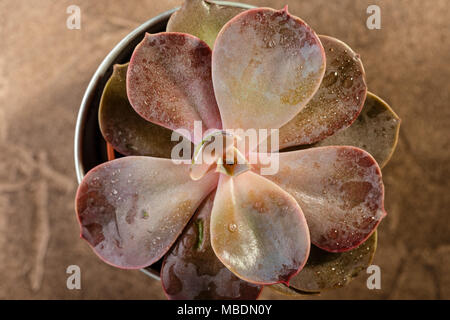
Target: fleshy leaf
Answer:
pixel 375 130
pixel 191 269
pixel 328 270
pixel 336 104
pixel 340 191
pixel 132 209
pixel 123 128
pixel 258 230
pixel 202 19
pixel 169 82
pixel 267 64
pixel 288 290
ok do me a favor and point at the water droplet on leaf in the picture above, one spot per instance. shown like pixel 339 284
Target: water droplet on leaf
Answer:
pixel 232 227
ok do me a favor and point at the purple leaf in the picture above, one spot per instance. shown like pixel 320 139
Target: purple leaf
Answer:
pixel 131 210
pixel 339 190
pixel 169 82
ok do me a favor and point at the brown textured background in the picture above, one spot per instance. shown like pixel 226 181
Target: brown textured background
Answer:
pixel 45 68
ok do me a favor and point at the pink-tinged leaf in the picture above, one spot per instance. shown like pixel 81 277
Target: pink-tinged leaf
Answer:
pixel 169 82
pixel 258 230
pixel 131 210
pixel 123 128
pixel 375 130
pixel 331 270
pixel 267 65
pixel 191 269
pixel 336 104
pixel 340 191
pixel 202 19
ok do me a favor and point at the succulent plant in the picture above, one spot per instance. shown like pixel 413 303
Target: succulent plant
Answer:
pixel 226 233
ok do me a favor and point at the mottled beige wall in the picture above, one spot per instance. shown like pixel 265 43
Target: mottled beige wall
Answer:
pixel 44 69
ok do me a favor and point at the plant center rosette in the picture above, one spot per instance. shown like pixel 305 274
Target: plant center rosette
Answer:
pixel 225 228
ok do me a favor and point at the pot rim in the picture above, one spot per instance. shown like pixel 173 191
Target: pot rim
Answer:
pixel 92 88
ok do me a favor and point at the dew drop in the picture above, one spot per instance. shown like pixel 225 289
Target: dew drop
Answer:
pixel 232 227
pixel 348 82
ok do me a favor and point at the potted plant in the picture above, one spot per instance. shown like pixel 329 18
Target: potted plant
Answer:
pixel 226 228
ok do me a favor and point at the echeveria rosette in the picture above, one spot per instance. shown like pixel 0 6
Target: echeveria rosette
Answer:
pixel 266 70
